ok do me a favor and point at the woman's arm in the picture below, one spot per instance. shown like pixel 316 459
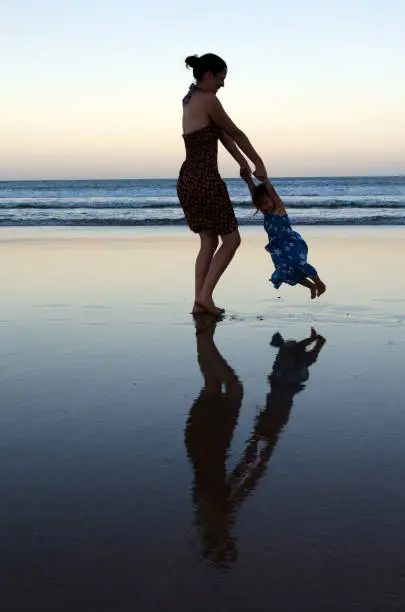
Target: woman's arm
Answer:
pixel 220 118
pixel 231 147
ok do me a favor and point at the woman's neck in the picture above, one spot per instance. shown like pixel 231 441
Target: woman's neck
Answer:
pixel 201 88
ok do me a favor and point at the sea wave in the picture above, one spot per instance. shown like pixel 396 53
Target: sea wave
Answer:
pixel 149 221
pixel 162 204
pixel 310 201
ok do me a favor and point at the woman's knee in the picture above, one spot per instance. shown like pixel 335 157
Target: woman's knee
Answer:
pixel 209 241
pixel 231 241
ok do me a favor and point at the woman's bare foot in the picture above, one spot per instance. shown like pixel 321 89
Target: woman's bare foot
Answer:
pixel 313 291
pixel 196 309
pixel 207 305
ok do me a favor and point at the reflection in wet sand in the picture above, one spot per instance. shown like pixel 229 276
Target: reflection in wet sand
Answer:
pixel 288 377
pixel 209 430
pixel 210 426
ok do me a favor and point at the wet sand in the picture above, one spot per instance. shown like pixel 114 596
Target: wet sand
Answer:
pixel 255 465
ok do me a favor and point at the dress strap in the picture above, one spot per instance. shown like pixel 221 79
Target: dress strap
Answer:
pixel 188 95
pixel 190 92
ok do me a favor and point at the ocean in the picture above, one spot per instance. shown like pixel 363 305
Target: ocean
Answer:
pixel 138 202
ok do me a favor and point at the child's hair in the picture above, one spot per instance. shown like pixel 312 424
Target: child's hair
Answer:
pixel 257 194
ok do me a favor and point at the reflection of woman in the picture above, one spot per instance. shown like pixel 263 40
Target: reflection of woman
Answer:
pixel 210 427
pixel 209 430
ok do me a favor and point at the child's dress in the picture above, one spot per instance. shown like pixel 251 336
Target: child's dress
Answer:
pixel 288 251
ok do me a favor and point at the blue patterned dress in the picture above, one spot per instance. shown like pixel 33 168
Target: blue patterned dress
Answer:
pixel 288 251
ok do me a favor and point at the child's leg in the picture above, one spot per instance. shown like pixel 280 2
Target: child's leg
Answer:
pixel 306 282
pixel 320 285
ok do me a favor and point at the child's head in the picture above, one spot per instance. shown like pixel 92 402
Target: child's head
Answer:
pixel 261 198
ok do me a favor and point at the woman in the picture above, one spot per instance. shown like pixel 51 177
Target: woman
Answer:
pixel 202 193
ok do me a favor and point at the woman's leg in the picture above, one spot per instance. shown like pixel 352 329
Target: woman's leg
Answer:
pixel 209 243
pixel 218 265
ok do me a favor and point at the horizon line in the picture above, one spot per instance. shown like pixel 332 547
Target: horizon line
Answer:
pixel 226 178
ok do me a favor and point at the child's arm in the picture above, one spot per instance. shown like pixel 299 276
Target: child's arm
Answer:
pixel 250 184
pixel 278 203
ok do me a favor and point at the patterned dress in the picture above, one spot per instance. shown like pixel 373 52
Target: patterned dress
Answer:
pixel 288 251
pixel 202 193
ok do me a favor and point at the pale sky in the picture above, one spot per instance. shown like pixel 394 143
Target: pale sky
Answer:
pixel 93 89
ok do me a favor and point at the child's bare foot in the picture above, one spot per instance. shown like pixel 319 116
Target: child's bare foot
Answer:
pixel 310 284
pixel 319 284
pixel 320 289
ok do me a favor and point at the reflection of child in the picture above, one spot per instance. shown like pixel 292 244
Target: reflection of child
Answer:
pixel 287 248
pixel 291 366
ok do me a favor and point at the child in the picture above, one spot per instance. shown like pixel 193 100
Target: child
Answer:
pixel 287 248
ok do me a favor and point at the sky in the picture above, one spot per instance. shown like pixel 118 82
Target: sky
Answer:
pixel 93 89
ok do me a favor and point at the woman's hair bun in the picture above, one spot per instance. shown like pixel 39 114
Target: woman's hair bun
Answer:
pixel 209 62
pixel 192 61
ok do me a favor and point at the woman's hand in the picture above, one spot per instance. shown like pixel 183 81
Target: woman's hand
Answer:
pixel 250 183
pixel 245 171
pixel 260 172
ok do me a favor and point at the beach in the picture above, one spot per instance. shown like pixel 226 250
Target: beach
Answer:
pixel 146 467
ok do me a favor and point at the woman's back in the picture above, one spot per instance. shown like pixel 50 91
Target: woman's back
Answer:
pixel 195 112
